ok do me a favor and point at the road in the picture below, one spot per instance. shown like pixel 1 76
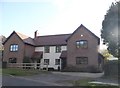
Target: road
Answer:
pixel 38 80
pixel 50 79
pixel 18 81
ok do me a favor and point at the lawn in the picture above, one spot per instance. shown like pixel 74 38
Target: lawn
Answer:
pixel 22 72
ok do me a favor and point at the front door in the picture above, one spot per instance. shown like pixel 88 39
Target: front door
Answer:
pixel 63 63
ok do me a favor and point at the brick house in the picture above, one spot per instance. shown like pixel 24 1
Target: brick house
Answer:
pixel 75 51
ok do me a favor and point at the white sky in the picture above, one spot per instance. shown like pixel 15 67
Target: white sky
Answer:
pixel 68 16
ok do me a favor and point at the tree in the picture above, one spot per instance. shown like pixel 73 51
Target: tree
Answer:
pixel 2 39
pixel 106 54
pixel 110 29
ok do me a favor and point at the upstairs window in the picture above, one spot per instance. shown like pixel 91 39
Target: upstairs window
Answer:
pixel 58 49
pixel 12 60
pixel 82 44
pixel 81 60
pixel 47 49
pixel 14 47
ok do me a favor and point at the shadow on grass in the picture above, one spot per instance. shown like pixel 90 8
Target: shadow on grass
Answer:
pixel 22 72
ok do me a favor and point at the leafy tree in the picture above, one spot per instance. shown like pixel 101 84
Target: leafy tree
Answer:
pixel 2 39
pixel 106 54
pixel 110 29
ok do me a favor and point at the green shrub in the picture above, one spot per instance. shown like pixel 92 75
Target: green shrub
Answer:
pixel 91 69
pixel 27 60
pixel 75 69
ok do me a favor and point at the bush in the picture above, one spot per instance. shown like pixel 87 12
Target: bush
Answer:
pixel 91 69
pixel 75 69
pixel 27 60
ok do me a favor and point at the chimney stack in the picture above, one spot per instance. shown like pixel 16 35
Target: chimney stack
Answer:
pixel 35 34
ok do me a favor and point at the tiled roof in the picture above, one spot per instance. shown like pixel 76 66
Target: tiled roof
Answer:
pixel 63 54
pixel 47 40
pixel 29 41
pixel 26 39
pixel 37 55
pixel 51 40
pixel 43 40
pixel 22 36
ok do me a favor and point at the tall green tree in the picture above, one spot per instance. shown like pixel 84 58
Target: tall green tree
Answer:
pixel 110 29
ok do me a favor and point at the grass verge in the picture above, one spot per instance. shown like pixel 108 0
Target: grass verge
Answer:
pixel 85 82
pixel 22 72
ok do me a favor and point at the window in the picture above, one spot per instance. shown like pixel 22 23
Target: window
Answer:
pixel 12 60
pixel 81 60
pixel 58 49
pixel 14 47
pixel 47 49
pixel 46 61
pixel 57 61
pixel 82 44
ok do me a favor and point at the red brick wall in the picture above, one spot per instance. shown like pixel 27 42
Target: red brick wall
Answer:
pixel 29 50
pixel 91 52
pixel 14 39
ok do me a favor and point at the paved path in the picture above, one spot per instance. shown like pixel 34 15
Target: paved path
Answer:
pixel 80 74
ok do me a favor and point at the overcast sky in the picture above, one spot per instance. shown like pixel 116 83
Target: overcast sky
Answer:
pixel 51 16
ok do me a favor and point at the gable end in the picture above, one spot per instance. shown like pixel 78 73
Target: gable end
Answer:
pixel 10 36
pixel 87 30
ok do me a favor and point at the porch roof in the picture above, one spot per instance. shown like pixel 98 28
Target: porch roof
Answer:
pixel 37 54
pixel 63 54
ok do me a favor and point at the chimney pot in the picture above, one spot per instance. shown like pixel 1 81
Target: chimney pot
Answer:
pixel 35 34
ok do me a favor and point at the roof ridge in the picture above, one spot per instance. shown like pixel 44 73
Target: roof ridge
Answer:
pixel 54 35
pixel 22 34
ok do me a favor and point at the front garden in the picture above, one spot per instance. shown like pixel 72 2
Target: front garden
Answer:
pixel 22 72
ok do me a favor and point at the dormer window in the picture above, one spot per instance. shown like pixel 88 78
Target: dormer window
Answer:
pixel 82 44
pixel 14 47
